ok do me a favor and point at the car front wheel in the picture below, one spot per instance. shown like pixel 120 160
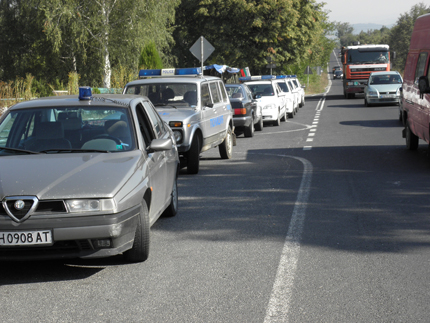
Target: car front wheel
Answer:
pixel 140 250
pixel 193 156
pixel 411 138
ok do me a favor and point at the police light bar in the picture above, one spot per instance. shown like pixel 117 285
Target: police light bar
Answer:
pixel 170 72
pixel 85 93
pixel 256 78
pixel 285 76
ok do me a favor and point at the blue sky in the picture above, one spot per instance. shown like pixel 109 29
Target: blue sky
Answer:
pixel 383 12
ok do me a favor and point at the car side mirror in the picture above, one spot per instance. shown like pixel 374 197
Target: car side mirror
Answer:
pixel 257 96
pixel 423 85
pixel 209 105
pixel 160 145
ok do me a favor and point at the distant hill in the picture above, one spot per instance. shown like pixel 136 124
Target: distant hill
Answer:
pixel 365 27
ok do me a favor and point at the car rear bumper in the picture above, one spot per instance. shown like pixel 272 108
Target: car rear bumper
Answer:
pixel 75 237
pixel 242 121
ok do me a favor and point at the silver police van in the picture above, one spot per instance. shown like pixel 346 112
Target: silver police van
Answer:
pixel 196 107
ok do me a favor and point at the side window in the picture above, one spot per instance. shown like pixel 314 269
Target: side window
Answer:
pixel 145 125
pixel 215 92
pixel 206 97
pixel 157 123
pixel 421 65
pixel 223 92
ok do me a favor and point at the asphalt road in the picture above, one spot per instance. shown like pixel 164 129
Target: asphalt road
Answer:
pixel 322 219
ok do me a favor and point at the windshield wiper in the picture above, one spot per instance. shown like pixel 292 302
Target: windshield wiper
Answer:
pixel 164 105
pixel 20 150
pixel 64 150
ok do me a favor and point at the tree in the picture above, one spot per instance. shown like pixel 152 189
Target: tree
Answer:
pixel 246 33
pixel 149 58
pixel 400 35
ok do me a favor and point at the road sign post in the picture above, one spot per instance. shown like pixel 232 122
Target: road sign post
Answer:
pixel 202 49
pixel 308 71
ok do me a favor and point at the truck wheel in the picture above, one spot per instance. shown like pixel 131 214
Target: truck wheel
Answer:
pixel 411 138
pixel 140 250
pixel 226 147
pixel 193 156
pixel 249 131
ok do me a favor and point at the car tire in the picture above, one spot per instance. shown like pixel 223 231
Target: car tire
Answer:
pixel 277 122
pixel 284 116
pixel 366 103
pixel 172 209
pixel 249 131
pixel 302 104
pixel 226 147
pixel 140 250
pixel 259 124
pixel 193 156
pixel 411 138
pixel 291 115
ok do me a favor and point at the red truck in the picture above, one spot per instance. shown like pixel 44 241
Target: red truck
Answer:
pixel 358 62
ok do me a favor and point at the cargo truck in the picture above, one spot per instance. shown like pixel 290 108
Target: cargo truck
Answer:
pixel 358 62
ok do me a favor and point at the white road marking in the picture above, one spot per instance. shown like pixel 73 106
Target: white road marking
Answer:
pixel 279 303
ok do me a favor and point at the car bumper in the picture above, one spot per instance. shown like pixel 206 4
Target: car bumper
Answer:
pixel 383 100
pixel 270 115
pixel 76 237
pixel 242 121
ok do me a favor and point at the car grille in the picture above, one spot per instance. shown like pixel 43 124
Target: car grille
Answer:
pixel 44 207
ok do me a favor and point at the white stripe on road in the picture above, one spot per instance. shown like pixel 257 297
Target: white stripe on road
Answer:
pixel 279 303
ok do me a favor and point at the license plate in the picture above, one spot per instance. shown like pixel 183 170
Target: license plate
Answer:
pixel 25 238
pixel 386 96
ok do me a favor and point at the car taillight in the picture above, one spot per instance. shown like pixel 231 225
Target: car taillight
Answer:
pixel 240 111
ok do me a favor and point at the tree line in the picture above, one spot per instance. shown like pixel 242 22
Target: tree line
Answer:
pixel 397 37
pixel 99 40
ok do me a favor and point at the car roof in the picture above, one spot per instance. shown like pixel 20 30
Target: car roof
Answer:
pixel 385 73
pixel 114 100
pixel 175 79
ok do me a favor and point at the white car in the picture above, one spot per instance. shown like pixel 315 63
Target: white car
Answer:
pixel 296 93
pixel 301 89
pixel 269 96
pixel 290 98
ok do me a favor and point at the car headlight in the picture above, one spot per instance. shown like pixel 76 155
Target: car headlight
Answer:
pixel 269 106
pixel 178 135
pixel 90 205
pixel 372 93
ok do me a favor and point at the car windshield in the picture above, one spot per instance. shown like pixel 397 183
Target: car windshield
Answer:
pixel 385 79
pixel 65 130
pixel 356 56
pixel 262 89
pixel 234 91
pixel 178 95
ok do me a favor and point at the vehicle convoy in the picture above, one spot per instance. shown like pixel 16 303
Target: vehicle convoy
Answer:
pixel 291 98
pixel 269 96
pixel 383 88
pixel 196 107
pixel 416 89
pixel 84 177
pixel 358 62
pixel 248 116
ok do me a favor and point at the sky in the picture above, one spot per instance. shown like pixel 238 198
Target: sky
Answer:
pixel 382 12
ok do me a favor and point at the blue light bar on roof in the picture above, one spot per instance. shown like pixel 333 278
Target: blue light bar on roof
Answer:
pixel 170 72
pixel 85 93
pixel 256 78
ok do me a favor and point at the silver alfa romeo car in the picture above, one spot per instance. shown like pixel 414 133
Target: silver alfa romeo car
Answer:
pixel 84 177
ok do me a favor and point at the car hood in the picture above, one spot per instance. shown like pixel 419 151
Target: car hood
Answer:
pixel 385 87
pixel 71 175
pixel 172 114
